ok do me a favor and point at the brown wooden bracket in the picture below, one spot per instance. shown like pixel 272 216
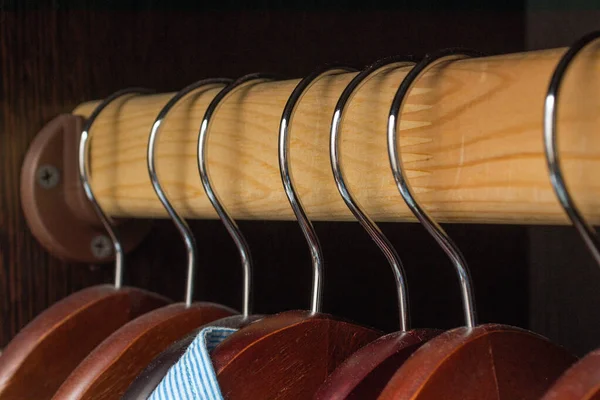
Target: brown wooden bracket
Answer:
pixel 56 209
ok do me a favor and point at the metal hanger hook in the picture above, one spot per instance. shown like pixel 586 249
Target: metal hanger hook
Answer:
pixel 230 224
pixel 338 174
pixel 286 176
pixel 587 232
pixel 438 233
pixel 182 226
pixel 83 161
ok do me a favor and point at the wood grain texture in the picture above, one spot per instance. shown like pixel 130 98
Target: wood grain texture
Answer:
pixel 49 348
pixel 51 61
pixel 580 382
pixel 470 137
pixel 285 356
pixel 365 373
pixel 107 372
pixel 145 383
pixel 488 362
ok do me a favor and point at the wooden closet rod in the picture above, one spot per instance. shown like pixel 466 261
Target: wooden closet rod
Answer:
pixel 470 136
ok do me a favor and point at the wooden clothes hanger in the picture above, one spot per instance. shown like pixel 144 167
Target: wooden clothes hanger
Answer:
pixel 488 361
pixel 43 353
pixel 582 380
pixel 108 371
pixel 289 355
pixel 147 381
pixel 65 334
pixel 365 373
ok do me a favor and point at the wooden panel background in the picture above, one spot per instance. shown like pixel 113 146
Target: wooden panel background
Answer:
pixel 50 61
pixel 564 279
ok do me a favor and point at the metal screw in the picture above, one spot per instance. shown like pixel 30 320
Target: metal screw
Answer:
pixel 101 246
pixel 48 176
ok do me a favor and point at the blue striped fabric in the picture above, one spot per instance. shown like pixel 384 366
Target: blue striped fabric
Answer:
pixel 193 376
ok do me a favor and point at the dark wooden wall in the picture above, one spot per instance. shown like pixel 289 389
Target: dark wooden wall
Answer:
pixel 52 60
pixel 564 279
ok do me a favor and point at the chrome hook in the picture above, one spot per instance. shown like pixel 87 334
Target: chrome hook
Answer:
pixel 83 158
pixel 366 222
pixel 587 232
pixel 284 167
pixel 438 233
pixel 180 223
pixel 230 224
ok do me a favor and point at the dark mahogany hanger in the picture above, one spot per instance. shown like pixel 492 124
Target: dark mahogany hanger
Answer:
pixel 365 373
pixel 152 375
pixel 43 354
pixel 582 380
pixel 108 371
pixel 490 361
pixel 289 355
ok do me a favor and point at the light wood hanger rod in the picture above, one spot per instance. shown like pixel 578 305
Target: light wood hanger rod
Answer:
pixel 470 138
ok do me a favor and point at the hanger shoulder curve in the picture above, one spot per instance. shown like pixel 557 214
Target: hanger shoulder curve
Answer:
pixel 111 367
pixel 487 361
pixel 226 352
pixel 365 373
pixel 145 383
pixel 285 356
pixel 89 316
pixel 580 382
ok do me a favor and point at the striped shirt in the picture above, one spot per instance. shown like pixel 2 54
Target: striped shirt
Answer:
pixel 193 376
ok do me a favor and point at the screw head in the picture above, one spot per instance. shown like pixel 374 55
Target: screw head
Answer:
pixel 101 246
pixel 47 176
